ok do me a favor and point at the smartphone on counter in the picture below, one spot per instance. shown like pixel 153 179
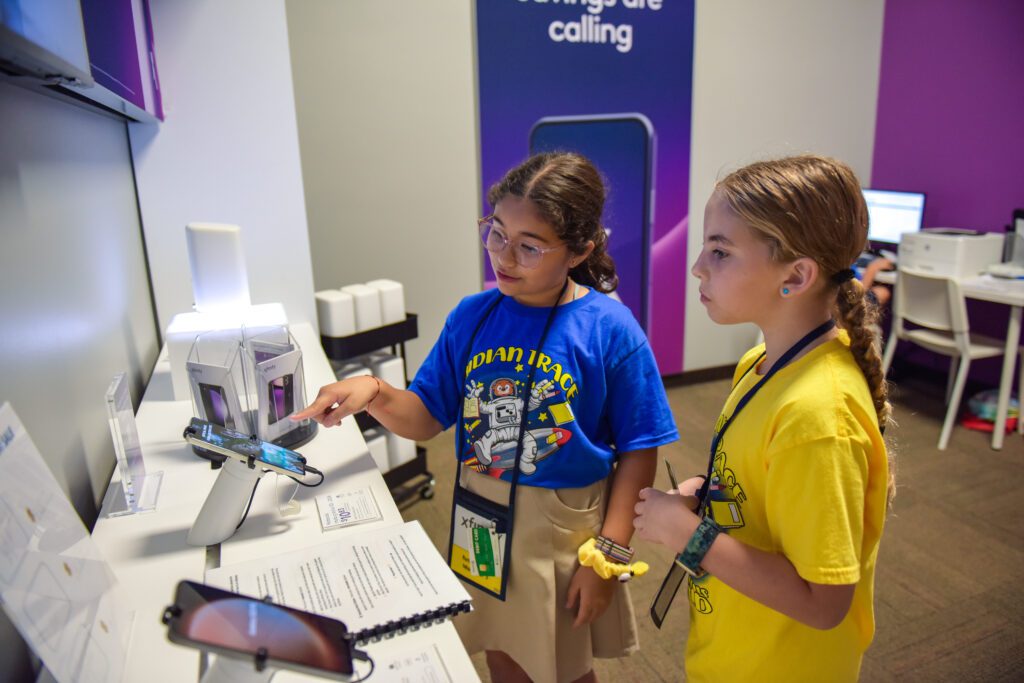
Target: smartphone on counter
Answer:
pixel 243 627
pixel 622 146
pixel 240 446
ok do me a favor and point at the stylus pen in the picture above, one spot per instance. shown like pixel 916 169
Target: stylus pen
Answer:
pixel 671 474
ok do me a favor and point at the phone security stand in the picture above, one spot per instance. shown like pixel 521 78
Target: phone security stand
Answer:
pixel 226 504
pixel 232 670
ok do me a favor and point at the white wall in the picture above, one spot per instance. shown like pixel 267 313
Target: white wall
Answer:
pixel 228 151
pixel 73 292
pixel 770 79
pixel 387 122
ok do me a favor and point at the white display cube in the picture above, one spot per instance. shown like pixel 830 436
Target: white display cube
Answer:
pixel 400 450
pixel 336 313
pixel 392 300
pixel 377 442
pixel 389 368
pixel 367 306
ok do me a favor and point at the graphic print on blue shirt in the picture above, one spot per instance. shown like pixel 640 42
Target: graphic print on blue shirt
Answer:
pixel 493 410
pixel 596 389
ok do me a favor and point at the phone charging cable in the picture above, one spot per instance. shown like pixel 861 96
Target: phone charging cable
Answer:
pixel 286 503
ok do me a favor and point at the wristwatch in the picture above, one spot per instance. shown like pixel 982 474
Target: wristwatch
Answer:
pixel 697 547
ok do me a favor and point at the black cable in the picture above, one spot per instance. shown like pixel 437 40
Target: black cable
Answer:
pixel 363 657
pixel 248 505
pixel 309 468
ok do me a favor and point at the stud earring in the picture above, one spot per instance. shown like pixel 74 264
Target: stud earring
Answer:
pixel 785 291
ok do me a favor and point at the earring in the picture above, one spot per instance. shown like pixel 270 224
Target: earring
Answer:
pixel 785 291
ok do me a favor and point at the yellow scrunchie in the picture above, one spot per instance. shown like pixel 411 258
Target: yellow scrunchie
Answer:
pixel 605 568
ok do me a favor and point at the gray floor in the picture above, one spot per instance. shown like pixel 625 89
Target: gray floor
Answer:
pixel 949 597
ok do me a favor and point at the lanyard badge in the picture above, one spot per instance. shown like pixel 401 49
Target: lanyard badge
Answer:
pixel 710 504
pixel 480 536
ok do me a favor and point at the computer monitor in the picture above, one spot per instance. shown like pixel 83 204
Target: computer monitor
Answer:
pixel 891 214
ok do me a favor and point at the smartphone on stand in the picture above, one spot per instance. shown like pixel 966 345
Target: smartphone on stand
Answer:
pixel 234 625
pixel 622 146
pixel 232 444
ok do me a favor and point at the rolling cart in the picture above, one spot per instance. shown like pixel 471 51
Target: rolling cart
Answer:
pixel 409 481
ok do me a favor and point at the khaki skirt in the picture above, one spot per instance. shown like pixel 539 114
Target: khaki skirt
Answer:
pixel 533 625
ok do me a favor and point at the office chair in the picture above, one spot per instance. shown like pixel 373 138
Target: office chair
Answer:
pixel 937 307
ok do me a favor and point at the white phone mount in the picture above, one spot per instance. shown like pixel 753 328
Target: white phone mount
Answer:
pixel 232 670
pixel 226 504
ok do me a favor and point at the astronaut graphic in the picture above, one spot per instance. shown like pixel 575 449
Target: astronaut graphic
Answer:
pixel 504 412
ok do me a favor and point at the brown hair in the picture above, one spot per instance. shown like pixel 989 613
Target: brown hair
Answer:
pixel 568 191
pixel 812 206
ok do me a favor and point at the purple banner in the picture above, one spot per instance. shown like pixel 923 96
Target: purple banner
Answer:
pixel 613 80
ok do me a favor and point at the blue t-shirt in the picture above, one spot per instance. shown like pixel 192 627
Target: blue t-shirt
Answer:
pixel 596 389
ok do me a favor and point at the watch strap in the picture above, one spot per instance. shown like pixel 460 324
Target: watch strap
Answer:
pixel 698 545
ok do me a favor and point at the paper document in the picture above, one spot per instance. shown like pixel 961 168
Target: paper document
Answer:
pixel 378 581
pixel 55 585
pixel 419 665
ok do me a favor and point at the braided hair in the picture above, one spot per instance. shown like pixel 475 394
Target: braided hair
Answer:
pixel 812 206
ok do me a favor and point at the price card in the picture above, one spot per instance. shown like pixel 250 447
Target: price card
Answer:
pixel 347 508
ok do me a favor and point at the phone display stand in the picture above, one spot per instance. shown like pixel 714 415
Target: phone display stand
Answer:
pixel 231 670
pixel 275 384
pixel 215 373
pixel 226 669
pixel 226 504
pixel 137 491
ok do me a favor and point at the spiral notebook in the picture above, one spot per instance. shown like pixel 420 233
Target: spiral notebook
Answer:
pixel 379 582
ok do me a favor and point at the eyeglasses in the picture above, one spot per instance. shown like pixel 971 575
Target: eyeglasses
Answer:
pixel 526 254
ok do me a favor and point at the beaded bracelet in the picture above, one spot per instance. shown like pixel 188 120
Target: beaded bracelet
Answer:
pixel 613 551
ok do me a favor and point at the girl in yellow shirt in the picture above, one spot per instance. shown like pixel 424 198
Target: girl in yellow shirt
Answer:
pixel 781 536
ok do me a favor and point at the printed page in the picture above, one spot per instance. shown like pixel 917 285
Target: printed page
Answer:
pixel 364 579
pixel 422 664
pixel 54 584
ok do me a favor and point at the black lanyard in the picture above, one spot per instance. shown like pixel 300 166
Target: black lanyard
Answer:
pixel 526 390
pixel 806 341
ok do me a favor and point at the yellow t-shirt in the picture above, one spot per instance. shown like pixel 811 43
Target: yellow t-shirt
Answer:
pixel 805 473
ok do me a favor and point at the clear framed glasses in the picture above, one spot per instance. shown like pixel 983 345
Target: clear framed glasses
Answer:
pixel 526 254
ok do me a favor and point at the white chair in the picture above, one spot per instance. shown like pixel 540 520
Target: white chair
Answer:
pixel 936 305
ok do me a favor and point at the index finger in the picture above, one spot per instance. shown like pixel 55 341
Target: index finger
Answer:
pixel 582 614
pixel 315 409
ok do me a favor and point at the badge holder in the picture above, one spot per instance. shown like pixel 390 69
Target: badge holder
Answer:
pixel 275 380
pixel 480 539
pixel 481 555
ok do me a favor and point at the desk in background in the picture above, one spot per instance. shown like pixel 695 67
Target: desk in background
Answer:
pixel 1000 291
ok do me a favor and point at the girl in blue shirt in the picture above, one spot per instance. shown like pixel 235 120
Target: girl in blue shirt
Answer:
pixel 586 428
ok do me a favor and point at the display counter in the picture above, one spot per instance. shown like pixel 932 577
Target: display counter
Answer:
pixel 149 554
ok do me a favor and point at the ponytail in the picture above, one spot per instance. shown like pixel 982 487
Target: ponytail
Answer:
pixel 598 270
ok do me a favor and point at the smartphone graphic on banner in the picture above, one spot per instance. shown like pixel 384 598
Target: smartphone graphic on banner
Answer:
pixel 622 148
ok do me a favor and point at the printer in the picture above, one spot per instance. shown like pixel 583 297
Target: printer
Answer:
pixel 950 253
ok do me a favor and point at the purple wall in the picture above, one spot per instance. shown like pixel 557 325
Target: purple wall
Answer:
pixel 951 109
pixel 951 124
